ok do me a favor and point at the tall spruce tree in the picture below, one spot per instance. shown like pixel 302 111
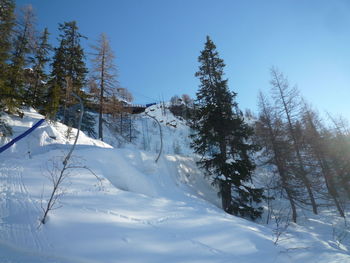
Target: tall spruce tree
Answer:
pixel 56 85
pixel 69 75
pixel 68 62
pixel 223 138
pixel 37 84
pixel 22 47
pixel 7 23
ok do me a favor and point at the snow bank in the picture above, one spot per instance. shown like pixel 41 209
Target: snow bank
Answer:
pixel 46 137
pixel 138 210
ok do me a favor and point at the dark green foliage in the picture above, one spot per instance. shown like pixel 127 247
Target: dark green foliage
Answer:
pixel 7 22
pixel 222 138
pixel 69 75
pixel 68 66
pixel 58 73
pixel 69 58
pixel 19 59
pixel 37 82
pixel 52 101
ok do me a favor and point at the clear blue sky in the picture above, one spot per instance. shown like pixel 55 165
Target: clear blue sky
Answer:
pixel 157 43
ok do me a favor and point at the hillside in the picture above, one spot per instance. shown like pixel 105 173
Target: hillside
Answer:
pixel 127 208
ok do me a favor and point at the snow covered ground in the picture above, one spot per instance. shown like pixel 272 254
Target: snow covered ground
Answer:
pixel 138 210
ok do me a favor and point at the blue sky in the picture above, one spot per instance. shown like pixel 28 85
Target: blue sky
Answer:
pixel 157 43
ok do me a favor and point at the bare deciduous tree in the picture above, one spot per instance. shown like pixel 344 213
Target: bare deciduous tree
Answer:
pixel 58 174
pixel 317 149
pixel 288 103
pixel 338 147
pixel 271 136
pixel 104 73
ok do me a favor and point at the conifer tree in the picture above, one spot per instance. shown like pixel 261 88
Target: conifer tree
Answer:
pixel 7 23
pixel 223 138
pixel 22 47
pixel 7 19
pixel 69 75
pixel 57 82
pixel 37 85
pixel 52 101
pixel 68 62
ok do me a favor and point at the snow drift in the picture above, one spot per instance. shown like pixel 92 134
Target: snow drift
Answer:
pixel 138 210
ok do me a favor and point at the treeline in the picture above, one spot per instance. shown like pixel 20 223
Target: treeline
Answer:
pixel 308 159
pixel 34 73
pixel 311 159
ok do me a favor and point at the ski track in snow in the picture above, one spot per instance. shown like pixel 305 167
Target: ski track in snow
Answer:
pixel 155 223
pixel 18 212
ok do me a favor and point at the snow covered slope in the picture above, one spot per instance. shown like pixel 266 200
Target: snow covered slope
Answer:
pixel 175 133
pixel 138 210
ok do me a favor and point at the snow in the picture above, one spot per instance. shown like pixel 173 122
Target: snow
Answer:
pixel 139 210
pixel 175 133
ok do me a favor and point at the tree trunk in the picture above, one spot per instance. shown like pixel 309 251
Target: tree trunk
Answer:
pixel 100 119
pixel 291 201
pixel 121 123
pixel 330 183
pixel 130 129
pixel 226 196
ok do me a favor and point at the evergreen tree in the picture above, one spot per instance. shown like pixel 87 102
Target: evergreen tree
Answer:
pixel 222 137
pixel 69 75
pixel 55 85
pixel 22 47
pixel 68 62
pixel 7 23
pixel 52 101
pixel 37 85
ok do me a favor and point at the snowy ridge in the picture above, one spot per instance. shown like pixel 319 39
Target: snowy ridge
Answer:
pixel 139 210
pixel 46 137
